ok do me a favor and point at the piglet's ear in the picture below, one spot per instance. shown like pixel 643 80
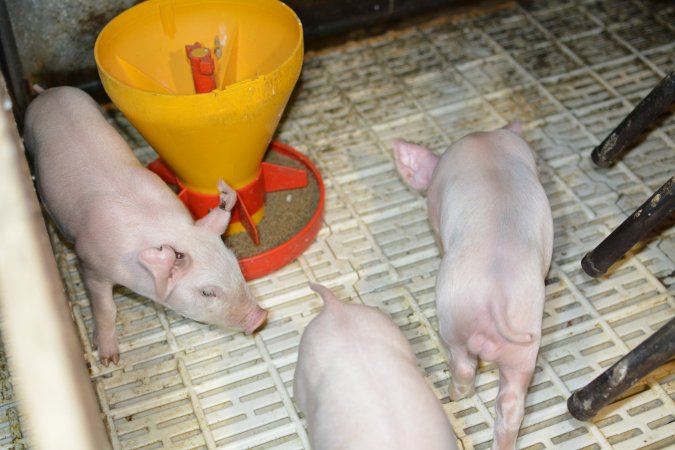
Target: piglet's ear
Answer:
pixel 160 262
pixel 216 220
pixel 414 163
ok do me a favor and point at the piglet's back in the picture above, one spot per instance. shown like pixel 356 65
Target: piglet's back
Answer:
pixel 64 119
pixel 358 384
pixel 77 154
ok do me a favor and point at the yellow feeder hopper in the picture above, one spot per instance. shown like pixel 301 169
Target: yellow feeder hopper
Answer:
pixel 206 82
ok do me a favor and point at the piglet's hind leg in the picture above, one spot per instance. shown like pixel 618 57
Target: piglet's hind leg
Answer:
pixel 462 372
pixel 510 406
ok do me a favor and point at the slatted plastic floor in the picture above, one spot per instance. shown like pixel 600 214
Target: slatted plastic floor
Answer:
pixel 570 70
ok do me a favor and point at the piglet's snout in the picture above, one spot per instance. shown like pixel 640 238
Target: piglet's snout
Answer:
pixel 255 320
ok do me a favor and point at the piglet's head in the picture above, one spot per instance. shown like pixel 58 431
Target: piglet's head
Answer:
pixel 200 278
pixel 414 163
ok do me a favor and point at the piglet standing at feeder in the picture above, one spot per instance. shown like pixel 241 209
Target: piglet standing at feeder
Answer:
pixel 358 384
pixel 493 222
pixel 127 225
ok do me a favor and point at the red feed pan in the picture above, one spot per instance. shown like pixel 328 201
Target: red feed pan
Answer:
pixel 259 265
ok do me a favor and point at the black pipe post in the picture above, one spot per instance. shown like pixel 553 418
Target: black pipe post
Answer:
pixel 633 229
pixel 656 350
pixel 653 105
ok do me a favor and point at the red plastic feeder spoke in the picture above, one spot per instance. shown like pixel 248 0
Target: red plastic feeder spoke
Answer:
pixel 251 198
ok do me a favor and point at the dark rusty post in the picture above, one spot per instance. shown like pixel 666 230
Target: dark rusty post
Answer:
pixel 656 350
pixel 635 227
pixel 653 105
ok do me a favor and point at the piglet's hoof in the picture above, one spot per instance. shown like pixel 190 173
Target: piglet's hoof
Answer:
pixel 228 196
pixel 107 352
pixel 106 360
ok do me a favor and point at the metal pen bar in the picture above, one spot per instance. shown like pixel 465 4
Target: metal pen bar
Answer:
pixel 658 349
pixel 653 105
pixel 632 230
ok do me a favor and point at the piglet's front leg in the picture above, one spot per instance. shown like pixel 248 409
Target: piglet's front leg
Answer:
pixel 105 313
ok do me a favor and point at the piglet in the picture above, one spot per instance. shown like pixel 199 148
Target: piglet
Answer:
pixel 358 384
pixel 127 226
pixel 493 222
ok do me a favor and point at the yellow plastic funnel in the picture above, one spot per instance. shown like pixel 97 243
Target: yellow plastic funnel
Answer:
pixel 257 48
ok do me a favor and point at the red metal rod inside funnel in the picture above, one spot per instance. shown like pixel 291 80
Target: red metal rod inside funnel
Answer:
pixel 203 67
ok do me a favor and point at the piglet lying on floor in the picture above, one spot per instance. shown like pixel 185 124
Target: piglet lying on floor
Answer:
pixel 358 384
pixel 493 221
pixel 127 225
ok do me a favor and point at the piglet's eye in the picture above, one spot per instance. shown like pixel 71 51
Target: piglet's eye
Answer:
pixel 208 293
pixel 180 255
